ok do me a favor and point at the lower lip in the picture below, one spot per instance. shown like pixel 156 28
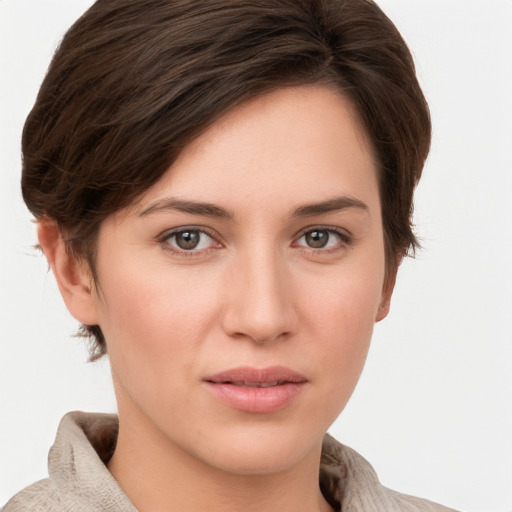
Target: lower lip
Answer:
pixel 254 399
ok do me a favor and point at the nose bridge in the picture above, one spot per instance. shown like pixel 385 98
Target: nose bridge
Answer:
pixel 259 305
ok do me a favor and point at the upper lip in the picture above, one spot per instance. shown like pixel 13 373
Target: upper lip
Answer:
pixel 256 376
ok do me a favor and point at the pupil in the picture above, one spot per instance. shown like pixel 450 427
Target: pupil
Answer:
pixel 317 239
pixel 187 240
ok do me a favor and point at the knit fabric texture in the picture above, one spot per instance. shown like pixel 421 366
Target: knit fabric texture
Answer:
pixel 79 480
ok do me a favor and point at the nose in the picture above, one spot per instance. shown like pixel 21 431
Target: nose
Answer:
pixel 259 306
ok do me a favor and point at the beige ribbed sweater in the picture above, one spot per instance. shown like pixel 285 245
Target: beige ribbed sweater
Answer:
pixel 80 482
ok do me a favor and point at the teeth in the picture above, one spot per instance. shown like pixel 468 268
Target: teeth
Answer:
pixel 269 384
pixel 257 384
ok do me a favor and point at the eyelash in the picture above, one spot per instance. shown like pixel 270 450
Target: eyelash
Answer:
pixel 164 238
pixel 345 240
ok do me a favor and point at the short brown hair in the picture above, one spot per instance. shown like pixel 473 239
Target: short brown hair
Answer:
pixel 134 81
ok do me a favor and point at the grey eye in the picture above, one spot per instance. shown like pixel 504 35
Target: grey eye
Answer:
pixel 187 240
pixel 317 239
pixel 322 238
pixel 191 240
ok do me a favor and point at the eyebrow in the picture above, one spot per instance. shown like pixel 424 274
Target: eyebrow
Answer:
pixel 192 207
pixel 212 210
pixel 329 206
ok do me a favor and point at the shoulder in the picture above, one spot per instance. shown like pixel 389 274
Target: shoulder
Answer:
pixel 78 477
pixel 40 496
pixel 350 483
pixel 406 503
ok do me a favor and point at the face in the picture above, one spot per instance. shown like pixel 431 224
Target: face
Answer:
pixel 238 296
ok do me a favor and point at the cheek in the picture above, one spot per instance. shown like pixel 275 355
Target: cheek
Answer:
pixel 154 320
pixel 153 300
pixel 154 323
pixel 344 299
pixel 341 312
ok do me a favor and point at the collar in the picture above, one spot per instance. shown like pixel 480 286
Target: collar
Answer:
pixel 85 442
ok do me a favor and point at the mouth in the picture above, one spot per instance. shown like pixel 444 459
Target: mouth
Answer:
pixel 254 384
pixel 256 390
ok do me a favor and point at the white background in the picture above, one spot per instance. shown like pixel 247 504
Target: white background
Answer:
pixel 433 411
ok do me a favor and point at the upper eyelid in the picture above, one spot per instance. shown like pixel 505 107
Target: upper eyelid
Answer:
pixel 174 231
pixel 333 229
pixel 163 238
pixel 345 234
pixel 345 240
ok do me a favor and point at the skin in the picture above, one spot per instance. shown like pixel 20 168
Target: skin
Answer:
pixel 253 293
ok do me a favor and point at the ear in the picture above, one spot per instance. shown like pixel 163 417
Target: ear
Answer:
pixel 387 292
pixel 73 277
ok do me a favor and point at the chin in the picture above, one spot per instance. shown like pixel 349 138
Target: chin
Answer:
pixel 256 451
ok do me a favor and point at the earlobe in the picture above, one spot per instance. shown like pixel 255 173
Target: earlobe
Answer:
pixel 73 278
pixel 387 292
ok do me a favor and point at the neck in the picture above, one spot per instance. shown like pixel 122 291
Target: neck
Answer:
pixel 159 476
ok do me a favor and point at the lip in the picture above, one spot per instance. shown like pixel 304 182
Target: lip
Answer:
pixel 256 390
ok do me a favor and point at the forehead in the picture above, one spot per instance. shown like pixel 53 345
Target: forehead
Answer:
pixel 294 142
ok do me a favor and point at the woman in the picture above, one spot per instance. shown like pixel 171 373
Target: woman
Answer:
pixel 224 193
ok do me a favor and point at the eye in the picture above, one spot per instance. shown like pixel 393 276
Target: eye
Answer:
pixel 188 240
pixel 323 238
